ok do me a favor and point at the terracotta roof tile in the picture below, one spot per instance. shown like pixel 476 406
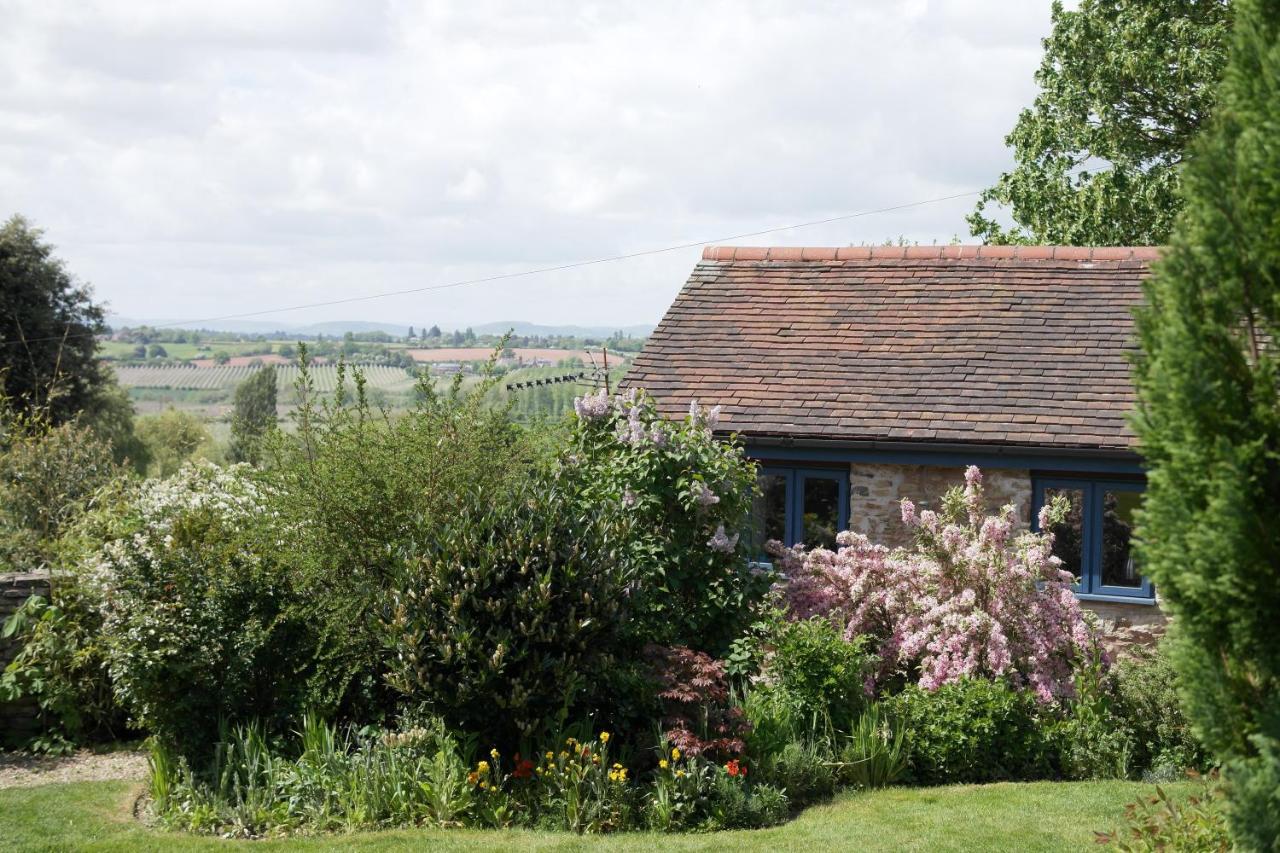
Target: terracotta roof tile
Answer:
pixel 1016 345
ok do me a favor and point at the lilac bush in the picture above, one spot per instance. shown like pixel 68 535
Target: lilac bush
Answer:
pixel 972 598
pixel 686 494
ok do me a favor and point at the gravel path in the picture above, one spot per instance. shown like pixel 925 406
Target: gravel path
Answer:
pixel 20 770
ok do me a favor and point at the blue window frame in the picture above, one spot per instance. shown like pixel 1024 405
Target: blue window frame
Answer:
pixel 1094 540
pixel 800 504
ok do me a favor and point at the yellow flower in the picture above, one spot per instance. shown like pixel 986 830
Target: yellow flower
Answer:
pixel 483 767
pixel 563 755
pixel 604 737
pixel 493 753
pixel 675 754
pixel 484 786
pixel 679 774
pixel 617 766
pixel 550 755
pixel 663 764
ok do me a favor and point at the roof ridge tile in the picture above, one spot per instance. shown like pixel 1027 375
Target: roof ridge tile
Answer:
pixel 930 253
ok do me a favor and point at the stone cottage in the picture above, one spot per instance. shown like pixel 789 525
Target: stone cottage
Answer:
pixel 855 376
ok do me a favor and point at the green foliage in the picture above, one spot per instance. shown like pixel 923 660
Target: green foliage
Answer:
pixel 972 730
pixel 822 673
pixel 1124 87
pixel 48 359
pixel 1161 822
pixel 1091 742
pixel 48 476
pixel 1208 377
pixel 876 754
pixel 1145 688
pixel 681 487
pixel 365 496
pixel 253 416
pixel 203 623
pixel 171 439
pixel 499 622
pixel 61 664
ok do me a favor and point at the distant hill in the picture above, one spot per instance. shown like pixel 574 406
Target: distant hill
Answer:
pixel 340 327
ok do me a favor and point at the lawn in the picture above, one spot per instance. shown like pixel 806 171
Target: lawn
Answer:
pixel 1024 817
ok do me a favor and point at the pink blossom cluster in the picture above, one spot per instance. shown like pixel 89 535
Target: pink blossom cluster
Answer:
pixel 973 597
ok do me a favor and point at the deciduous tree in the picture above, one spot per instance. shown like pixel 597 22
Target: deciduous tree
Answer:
pixel 1124 87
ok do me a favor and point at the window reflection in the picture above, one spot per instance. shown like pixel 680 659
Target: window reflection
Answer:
pixel 769 511
pixel 1118 567
pixel 1068 534
pixel 821 512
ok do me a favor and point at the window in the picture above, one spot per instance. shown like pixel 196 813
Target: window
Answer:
pixel 808 505
pixel 1093 541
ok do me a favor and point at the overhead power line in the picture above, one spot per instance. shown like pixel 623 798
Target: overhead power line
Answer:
pixel 348 300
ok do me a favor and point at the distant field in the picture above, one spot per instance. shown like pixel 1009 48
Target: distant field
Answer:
pixel 325 377
pixel 555 356
pixel 124 349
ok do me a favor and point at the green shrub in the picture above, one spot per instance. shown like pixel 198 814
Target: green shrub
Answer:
pixel 202 624
pixel 973 730
pixel 824 674
pixel 363 494
pixel 1147 705
pixel 499 624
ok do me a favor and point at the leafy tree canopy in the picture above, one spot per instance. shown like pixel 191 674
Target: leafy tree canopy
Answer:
pixel 254 415
pixel 1124 86
pixel 48 321
pixel 1208 380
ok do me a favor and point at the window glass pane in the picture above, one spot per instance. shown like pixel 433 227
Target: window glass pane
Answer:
pixel 1117 527
pixel 1068 535
pixel 821 512
pixel 769 511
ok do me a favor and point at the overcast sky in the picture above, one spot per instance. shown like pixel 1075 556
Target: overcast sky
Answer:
pixel 208 158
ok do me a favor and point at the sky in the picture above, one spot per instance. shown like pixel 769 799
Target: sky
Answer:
pixel 196 159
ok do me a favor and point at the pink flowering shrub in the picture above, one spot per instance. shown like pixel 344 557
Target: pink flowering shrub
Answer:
pixel 971 598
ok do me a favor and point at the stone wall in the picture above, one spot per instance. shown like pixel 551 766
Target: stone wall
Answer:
pixel 17 719
pixel 876 488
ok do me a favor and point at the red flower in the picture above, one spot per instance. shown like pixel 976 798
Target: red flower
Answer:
pixel 734 768
pixel 524 768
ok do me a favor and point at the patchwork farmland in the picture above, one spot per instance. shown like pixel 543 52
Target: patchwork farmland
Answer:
pixel 227 377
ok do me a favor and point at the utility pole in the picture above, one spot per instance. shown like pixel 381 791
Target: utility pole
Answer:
pixel 605 352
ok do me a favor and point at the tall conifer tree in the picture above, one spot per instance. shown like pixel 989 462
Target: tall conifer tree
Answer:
pixel 1209 422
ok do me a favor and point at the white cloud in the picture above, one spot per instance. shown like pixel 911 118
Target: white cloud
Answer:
pixel 193 159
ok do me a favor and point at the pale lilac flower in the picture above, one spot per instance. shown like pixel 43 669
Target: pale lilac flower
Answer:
pixel 929 520
pixel 908 511
pixel 722 542
pixel 592 406
pixel 628 498
pixel 972 476
pixel 703 495
pixel 713 417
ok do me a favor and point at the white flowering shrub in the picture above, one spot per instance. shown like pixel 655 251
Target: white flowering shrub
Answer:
pixel 688 495
pixel 200 622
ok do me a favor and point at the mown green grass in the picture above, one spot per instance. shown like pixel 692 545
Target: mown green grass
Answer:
pixel 1039 816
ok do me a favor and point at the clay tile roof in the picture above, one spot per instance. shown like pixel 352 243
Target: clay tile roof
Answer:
pixel 1006 345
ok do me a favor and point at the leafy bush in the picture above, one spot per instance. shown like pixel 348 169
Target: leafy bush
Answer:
pixel 972 730
pixel 822 673
pixel 363 495
pixel 1147 705
pixel 803 768
pixel 49 475
pixel 688 495
pixel 1091 742
pixel 500 622
pixel 201 623
pixel 971 599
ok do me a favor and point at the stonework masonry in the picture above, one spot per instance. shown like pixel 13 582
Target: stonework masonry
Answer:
pixel 875 490
pixel 17 719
